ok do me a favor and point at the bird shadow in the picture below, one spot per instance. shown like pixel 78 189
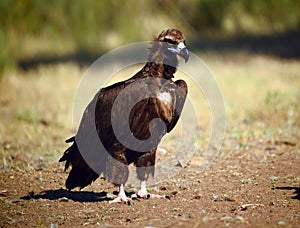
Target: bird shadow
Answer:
pixel 297 191
pixel 62 194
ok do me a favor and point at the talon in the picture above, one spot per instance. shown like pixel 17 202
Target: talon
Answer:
pixel 121 200
pixel 135 197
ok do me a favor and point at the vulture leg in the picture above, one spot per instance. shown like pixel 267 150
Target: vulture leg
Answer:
pixel 143 173
pixel 122 198
pixel 143 193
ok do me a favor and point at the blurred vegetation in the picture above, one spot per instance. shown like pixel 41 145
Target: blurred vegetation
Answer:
pixel 32 28
pixel 256 16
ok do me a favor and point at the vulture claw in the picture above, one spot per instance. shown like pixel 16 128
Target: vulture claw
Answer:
pixel 135 197
pixel 167 197
pixel 121 199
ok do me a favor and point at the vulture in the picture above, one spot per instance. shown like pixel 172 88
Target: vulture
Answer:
pixel 129 119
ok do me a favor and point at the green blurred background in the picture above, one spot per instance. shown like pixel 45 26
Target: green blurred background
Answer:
pixel 42 30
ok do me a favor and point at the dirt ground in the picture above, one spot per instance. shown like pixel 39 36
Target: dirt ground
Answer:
pixel 254 182
pixel 254 187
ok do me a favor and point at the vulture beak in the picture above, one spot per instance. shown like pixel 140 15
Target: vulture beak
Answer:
pixel 181 50
pixel 184 53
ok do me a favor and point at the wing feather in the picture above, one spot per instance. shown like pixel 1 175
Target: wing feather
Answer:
pixel 180 96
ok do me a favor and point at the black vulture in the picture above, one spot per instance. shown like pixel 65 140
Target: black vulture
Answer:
pixel 164 101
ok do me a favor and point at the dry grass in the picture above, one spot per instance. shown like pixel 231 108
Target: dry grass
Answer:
pixel 36 113
pixel 259 89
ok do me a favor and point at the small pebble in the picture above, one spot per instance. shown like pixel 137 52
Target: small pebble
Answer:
pixel 162 188
pixel 274 178
pixel 63 199
pixel 206 218
pixel 110 195
pixel 174 192
pixel 12 221
pixel 3 192
pixel 240 218
pixel 281 223
pixel 197 197
pixel 225 218
pixel 215 197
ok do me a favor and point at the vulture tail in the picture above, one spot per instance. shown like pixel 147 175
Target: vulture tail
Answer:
pixel 81 174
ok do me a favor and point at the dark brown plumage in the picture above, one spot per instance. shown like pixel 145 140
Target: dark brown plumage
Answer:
pixel 165 102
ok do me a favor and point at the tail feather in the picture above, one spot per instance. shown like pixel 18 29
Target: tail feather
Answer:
pixel 81 174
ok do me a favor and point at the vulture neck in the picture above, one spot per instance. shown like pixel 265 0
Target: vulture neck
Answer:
pixel 160 65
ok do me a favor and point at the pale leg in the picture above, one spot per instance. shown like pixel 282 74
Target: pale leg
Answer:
pixel 122 198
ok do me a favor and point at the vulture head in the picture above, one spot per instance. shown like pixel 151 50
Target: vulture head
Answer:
pixel 168 46
pixel 174 41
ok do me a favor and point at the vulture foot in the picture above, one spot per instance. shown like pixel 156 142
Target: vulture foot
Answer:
pixel 143 193
pixel 121 199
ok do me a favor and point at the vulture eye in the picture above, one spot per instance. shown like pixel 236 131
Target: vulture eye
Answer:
pixel 169 41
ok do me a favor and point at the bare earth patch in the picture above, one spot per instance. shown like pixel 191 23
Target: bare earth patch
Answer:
pixel 248 187
pixel 255 182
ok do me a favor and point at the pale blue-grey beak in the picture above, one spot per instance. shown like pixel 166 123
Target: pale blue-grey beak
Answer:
pixel 181 50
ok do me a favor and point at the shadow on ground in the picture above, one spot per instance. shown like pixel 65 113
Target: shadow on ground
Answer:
pixel 297 191
pixel 77 196
pixel 282 45
pixel 62 194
